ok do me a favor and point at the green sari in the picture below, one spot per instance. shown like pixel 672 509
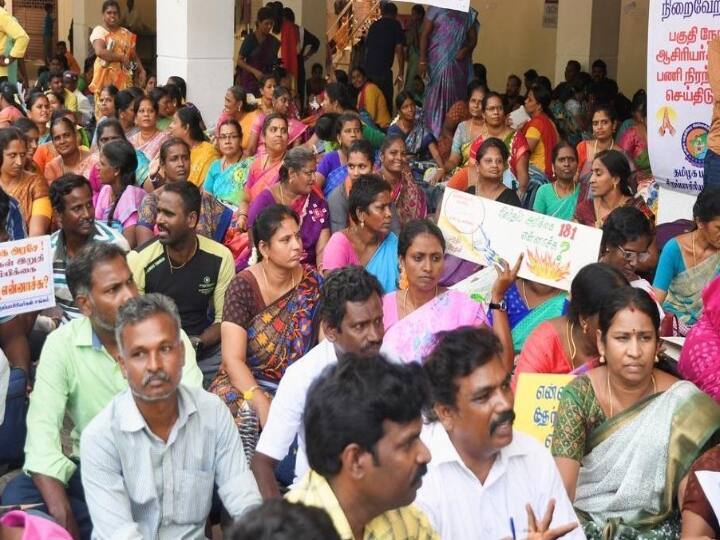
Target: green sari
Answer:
pixel 632 463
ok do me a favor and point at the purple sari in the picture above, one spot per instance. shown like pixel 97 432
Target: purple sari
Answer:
pixel 262 56
pixel 448 77
pixel 314 217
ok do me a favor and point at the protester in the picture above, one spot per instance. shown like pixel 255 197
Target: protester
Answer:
pixel 77 375
pixel 628 244
pixel 281 100
pixel 158 413
pixel 478 458
pixel 689 261
pixel 359 162
pixel 265 168
pixel 559 198
pixel 282 520
pixel 71 158
pixel 332 168
pixel 540 132
pixel 368 240
pixel 149 138
pixel 192 270
pixel 258 53
pixel 338 100
pixel 467 131
pixel 620 424
pixel 362 422
pixel 371 99
pixel 296 188
pixel 72 201
pixel 408 197
pixel 236 106
pixel 268 321
pixel 351 319
pixel 568 344
pixel 384 40
pixel 29 190
pixel 119 198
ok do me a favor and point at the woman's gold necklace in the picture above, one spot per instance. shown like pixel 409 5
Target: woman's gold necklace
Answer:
pixel 610 396
pixel 572 349
pixel 405 297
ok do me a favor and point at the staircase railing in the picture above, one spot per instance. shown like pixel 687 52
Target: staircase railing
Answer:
pixel 350 25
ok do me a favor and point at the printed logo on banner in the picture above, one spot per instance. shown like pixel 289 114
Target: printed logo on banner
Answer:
pixel 694 143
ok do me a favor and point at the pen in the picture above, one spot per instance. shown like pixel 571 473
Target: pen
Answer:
pixel 512 528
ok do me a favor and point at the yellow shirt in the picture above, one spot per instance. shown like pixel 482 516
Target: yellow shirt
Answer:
pixel 201 157
pixel 537 157
pixel 375 104
pixel 408 522
pixel 9 27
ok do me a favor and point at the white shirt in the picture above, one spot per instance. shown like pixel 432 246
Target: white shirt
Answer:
pixel 286 410
pixel 461 508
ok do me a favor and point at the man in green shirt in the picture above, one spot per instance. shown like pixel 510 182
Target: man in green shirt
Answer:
pixel 78 375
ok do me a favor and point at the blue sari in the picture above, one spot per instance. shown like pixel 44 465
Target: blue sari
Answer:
pixel 384 263
pixel 334 179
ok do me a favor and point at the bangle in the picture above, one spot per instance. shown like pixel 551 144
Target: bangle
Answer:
pixel 249 393
pixel 242 214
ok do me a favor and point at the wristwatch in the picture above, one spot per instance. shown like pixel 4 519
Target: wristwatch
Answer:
pixel 6 61
pixel 500 306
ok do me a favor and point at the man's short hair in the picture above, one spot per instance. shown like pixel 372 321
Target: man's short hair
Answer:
pixel 63 186
pixel 458 353
pixel 600 64
pixel 351 400
pixel 80 268
pixel 388 8
pixel 141 308
pixel 188 192
pixel 349 284
pixel 279 519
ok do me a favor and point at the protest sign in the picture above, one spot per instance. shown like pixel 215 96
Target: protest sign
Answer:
pixel 478 286
pixel 485 231
pixel 537 397
pixel 26 280
pixel 679 101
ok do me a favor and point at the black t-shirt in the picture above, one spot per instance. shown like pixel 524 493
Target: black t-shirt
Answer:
pixel 382 37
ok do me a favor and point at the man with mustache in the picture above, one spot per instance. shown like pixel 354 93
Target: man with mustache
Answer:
pixel 72 201
pixel 351 316
pixel 485 480
pixel 77 375
pixel 193 270
pixel 362 422
pixel 152 456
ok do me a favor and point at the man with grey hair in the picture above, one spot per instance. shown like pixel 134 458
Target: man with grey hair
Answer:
pixel 152 456
pixel 78 375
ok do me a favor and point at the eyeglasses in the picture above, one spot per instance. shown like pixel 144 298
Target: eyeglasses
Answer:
pixel 634 256
pixel 228 137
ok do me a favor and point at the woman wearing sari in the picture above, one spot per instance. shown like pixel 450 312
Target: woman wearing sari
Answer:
pixel 368 240
pixel 626 432
pixel 258 53
pixel 281 105
pixel 296 189
pixel 420 144
pixel 28 128
pixel 559 198
pixel 540 132
pixel 268 322
pixel 125 111
pixel 116 57
pixel 632 139
pixel 494 125
pixel 370 98
pixel 237 107
pixel 338 100
pixel 604 125
pixel 29 190
pixel 265 168
pixel 415 314
pixel 610 189
pixel 408 198
pixel 568 344
pixel 108 130
pixel 467 131
pixel 332 168
pixel 689 261
pixel 71 158
pixel 485 179
pixel 360 162
pixel 38 108
pixel 447 39
pixel 187 124
pixel 149 138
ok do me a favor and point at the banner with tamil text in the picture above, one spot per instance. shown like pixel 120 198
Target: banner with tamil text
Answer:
pixel 679 97
pixel 485 231
pixel 26 279
pixel 537 398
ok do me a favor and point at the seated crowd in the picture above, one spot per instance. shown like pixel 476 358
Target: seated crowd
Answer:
pixel 265 308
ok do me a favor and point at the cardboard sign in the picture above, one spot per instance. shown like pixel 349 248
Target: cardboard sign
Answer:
pixel 26 279
pixel 679 98
pixel 478 286
pixel 537 398
pixel 485 231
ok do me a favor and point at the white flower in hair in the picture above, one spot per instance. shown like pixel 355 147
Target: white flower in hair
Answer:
pixel 253 256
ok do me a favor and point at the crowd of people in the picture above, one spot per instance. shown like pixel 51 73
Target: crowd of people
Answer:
pixel 262 306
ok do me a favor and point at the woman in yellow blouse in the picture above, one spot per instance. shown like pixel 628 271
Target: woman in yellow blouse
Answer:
pixel 370 98
pixel 188 125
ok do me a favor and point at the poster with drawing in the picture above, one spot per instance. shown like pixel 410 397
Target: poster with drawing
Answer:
pixel 485 231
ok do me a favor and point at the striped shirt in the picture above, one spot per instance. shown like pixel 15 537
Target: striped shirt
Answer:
pixel 408 522
pixel 139 486
pixel 63 298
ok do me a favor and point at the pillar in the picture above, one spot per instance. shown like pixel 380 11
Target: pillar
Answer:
pixel 195 41
pixel 587 30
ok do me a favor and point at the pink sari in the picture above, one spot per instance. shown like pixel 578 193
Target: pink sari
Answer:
pixel 296 129
pixel 150 148
pixel 260 179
